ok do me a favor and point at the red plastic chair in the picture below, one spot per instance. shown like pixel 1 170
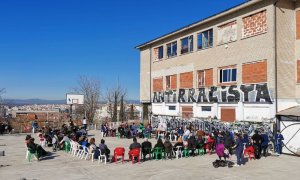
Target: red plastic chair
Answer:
pixel 135 153
pixel 119 152
pixel 249 151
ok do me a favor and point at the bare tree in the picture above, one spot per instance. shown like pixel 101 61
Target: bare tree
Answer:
pixel 90 88
pixel 131 112
pixel 2 91
pixel 122 109
pixel 114 96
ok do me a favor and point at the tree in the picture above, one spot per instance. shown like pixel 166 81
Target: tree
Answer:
pixel 90 88
pixel 2 91
pixel 131 112
pixel 113 97
pixel 122 110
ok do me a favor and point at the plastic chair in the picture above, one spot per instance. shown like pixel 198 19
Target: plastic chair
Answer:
pixel 118 135
pixel 201 150
pixel 101 158
pixel 178 152
pixel 119 152
pixel 30 154
pixel 67 147
pixel 135 153
pixel 158 152
pixel 186 152
pixel 85 153
pixel 249 152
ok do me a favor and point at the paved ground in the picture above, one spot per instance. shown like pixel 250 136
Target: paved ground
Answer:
pixel 62 166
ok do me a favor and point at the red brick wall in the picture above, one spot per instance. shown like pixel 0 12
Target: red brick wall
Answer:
pixel 174 82
pixel 209 77
pixel 298 25
pixel 255 72
pixel 186 80
pixel 255 24
pixel 228 114
pixel 158 85
pixel 298 71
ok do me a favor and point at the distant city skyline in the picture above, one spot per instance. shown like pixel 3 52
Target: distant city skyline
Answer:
pixel 46 45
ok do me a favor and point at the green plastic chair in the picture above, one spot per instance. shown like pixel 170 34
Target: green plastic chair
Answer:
pixel 186 152
pixel 201 150
pixel 118 135
pixel 30 154
pixel 67 147
pixel 158 152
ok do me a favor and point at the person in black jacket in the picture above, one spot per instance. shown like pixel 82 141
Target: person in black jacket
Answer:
pixel 228 142
pixel 257 141
pixel 146 148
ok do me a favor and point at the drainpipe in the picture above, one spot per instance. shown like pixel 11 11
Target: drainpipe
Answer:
pixel 276 64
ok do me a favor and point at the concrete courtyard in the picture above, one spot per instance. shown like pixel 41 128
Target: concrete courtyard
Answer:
pixel 60 165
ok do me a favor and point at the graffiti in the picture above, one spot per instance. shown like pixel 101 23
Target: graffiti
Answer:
pixel 209 126
pixel 256 93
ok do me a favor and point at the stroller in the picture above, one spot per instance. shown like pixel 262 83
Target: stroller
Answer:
pixel 55 143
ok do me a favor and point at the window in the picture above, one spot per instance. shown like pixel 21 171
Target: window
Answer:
pixel 172 49
pixel 168 82
pixel 172 108
pixel 171 82
pixel 201 78
pixel 206 108
pixel 228 75
pixel 205 39
pixel 159 53
pixel 187 45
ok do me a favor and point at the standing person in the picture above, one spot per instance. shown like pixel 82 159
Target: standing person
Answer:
pixel 265 143
pixel 239 150
pixel 84 123
pixel 278 142
pixel 257 141
pixel 228 142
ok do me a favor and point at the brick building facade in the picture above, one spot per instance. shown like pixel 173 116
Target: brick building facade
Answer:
pixel 242 64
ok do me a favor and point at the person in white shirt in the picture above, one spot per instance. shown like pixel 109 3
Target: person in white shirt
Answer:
pixel 186 134
pixel 84 123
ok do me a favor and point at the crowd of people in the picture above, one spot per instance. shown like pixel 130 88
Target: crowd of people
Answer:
pixel 223 143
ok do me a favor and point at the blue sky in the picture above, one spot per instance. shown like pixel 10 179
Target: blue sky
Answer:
pixel 46 45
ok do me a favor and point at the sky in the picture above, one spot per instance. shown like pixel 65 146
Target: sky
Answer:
pixel 46 45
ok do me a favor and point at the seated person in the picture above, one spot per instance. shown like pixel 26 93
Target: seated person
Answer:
pixel 178 143
pixel 133 130
pixel 35 148
pixel 64 139
pixel 180 132
pixel 121 131
pixel 168 147
pixel 85 142
pixel 104 149
pixel 146 148
pixel 148 131
pixel 159 144
pixel 192 143
pixel 134 145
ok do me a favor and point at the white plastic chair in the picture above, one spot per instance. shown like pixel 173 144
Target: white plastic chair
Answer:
pixel 178 152
pixel 85 153
pixel 101 158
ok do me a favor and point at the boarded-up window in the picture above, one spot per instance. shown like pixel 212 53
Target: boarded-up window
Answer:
pixel 298 71
pixel 186 80
pixel 228 114
pixel 256 72
pixel 298 24
pixel 171 82
pixel 158 85
pixel 205 77
pixel 227 33
pixel 187 112
pixel 254 24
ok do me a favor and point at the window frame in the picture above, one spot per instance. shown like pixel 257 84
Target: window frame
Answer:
pixel 190 44
pixel 229 74
pixel 210 39
pixel 173 53
pixel 204 76
pixel 170 81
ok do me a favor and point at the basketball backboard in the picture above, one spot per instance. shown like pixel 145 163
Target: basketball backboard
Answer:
pixel 75 99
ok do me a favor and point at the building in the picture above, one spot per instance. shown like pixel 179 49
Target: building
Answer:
pixel 242 64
